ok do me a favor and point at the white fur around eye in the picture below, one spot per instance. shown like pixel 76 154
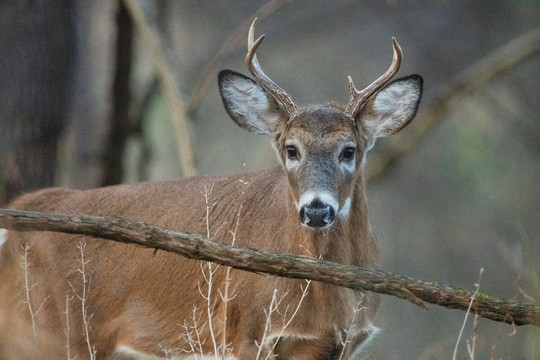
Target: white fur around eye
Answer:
pixel 347 166
pixel 344 165
pixel 293 164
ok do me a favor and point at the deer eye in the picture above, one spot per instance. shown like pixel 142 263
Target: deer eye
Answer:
pixel 347 154
pixel 292 153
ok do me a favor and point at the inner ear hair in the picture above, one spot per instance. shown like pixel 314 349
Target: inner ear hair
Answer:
pixel 393 107
pixel 248 104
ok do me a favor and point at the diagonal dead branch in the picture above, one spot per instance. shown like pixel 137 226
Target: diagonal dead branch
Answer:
pixel 286 265
pixel 171 92
pixel 233 42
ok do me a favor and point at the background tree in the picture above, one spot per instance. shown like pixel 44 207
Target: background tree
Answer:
pixel 37 50
pixel 464 197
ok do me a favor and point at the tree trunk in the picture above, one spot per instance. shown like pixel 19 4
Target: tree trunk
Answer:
pixel 37 46
pixel 119 123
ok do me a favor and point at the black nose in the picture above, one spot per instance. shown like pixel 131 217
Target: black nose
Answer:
pixel 317 214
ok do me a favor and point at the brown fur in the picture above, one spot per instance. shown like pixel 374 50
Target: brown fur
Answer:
pixel 140 299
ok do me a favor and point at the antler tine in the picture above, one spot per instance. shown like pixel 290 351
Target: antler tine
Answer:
pixel 357 98
pixel 254 67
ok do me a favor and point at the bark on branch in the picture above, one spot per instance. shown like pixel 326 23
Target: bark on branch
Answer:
pixel 292 266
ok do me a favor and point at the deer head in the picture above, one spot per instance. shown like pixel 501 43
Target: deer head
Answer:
pixel 321 147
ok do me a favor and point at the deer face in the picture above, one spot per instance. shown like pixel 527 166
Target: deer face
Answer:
pixel 322 147
pixel 321 151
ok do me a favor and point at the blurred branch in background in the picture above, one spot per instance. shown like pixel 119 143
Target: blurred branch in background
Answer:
pixel 286 265
pixel 180 111
pixel 472 79
pixel 235 40
pixel 171 91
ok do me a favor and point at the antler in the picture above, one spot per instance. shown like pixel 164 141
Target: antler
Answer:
pixel 262 78
pixel 358 98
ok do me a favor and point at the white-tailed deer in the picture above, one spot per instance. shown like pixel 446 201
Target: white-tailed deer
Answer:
pixel 130 302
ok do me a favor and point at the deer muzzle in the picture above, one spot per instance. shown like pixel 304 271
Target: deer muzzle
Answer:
pixel 317 214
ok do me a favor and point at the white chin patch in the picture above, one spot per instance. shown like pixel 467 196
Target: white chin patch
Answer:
pixel 3 236
pixel 343 213
pixel 324 197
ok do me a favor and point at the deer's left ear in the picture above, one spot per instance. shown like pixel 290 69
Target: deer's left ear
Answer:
pixel 392 108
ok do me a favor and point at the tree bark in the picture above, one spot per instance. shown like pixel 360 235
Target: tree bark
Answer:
pixel 119 122
pixel 37 46
pixel 286 265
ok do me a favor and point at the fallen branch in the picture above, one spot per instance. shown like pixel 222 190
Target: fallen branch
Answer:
pixel 292 266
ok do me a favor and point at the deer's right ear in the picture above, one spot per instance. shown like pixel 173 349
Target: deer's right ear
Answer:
pixel 248 104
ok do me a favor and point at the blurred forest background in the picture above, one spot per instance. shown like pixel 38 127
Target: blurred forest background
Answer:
pixel 95 93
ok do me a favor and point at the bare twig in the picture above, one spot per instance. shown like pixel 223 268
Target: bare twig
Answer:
pixel 28 288
pixel 225 297
pixel 522 291
pixel 472 79
pixel 286 322
pixel 192 336
pixel 67 328
pixel 477 285
pixel 169 353
pixel 169 86
pixel 273 307
pixel 471 343
pixel 208 278
pixel 356 309
pixel 286 265
pixel 233 42
pixel 83 297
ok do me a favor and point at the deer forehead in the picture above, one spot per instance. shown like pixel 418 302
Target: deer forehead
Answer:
pixel 321 127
